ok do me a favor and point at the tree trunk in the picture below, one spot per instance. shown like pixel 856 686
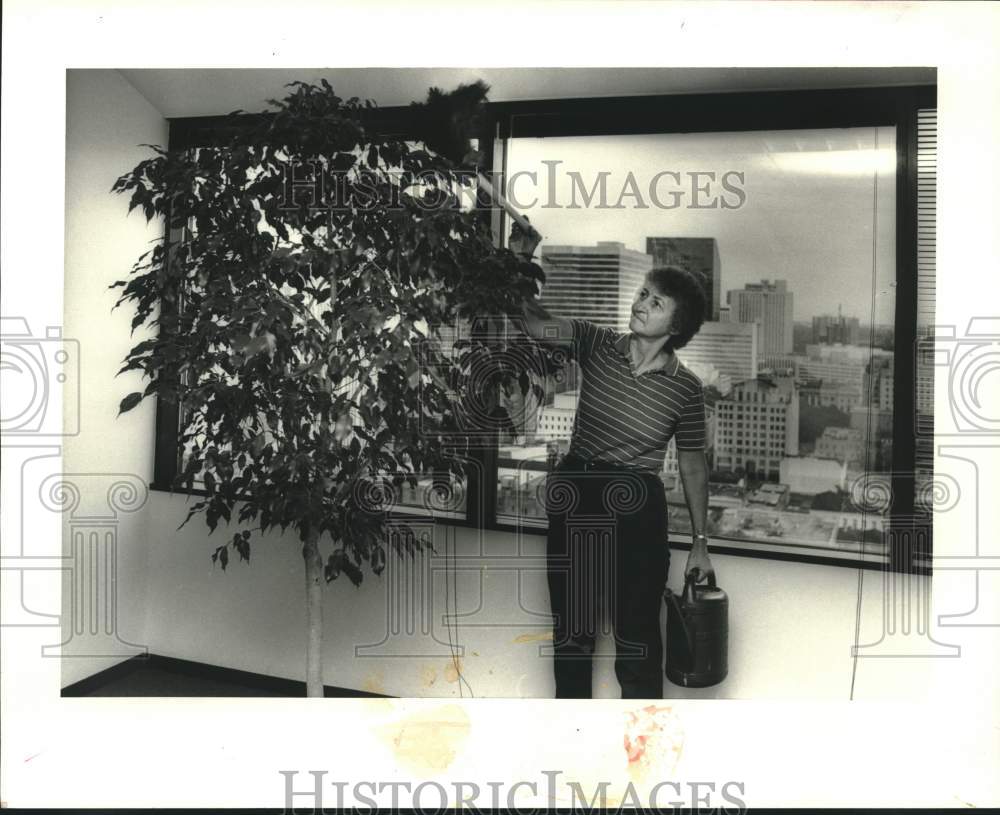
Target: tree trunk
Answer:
pixel 314 616
pixel 314 564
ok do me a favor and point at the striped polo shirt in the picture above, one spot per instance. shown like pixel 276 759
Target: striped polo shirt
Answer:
pixel 628 419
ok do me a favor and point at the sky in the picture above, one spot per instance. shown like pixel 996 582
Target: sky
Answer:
pixel 805 207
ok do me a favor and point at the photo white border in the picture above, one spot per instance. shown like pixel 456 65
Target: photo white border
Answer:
pixel 941 751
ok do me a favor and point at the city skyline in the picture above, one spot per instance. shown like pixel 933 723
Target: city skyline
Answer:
pixel 597 283
pixel 570 265
pixel 845 258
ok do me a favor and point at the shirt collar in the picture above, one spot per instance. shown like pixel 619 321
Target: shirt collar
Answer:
pixel 670 368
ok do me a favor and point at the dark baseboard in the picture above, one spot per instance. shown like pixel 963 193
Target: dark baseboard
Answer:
pixel 271 685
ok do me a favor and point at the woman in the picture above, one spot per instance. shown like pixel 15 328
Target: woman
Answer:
pixel 607 511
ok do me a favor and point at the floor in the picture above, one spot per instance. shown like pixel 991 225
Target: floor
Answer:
pixel 153 681
pixel 159 676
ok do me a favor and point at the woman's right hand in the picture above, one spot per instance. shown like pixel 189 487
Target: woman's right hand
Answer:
pixel 521 243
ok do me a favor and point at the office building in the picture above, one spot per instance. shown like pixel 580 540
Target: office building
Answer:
pixel 844 444
pixel 845 353
pixel 878 383
pixel 873 422
pixel 779 364
pixel 821 393
pixel 757 426
pixel 700 256
pixel 596 283
pixel 769 304
pixel 729 348
pixel 841 372
pixel 811 476
pixel 830 329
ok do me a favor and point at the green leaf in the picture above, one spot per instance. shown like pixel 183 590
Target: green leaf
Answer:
pixel 353 573
pixel 129 402
pixel 258 444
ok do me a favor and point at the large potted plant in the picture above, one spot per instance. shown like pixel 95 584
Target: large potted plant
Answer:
pixel 297 336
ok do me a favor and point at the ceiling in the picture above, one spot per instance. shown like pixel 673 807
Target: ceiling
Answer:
pixel 181 92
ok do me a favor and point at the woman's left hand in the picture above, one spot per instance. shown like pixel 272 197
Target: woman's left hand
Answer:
pixel 698 562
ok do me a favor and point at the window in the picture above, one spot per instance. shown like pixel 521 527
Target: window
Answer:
pixel 767 256
pixel 772 196
pixel 794 232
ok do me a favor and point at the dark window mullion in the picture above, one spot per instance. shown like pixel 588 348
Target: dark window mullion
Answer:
pixel 481 484
pixel 902 519
pixel 167 454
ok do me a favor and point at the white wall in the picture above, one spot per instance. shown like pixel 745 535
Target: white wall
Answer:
pixel 791 625
pixel 106 120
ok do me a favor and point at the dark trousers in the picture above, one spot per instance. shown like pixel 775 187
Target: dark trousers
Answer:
pixel 607 549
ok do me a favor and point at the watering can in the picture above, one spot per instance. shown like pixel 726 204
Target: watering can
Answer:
pixel 697 633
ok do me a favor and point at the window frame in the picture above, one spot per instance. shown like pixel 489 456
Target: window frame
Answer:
pixel 894 106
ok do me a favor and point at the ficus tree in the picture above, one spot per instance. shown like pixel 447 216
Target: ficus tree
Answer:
pixel 298 337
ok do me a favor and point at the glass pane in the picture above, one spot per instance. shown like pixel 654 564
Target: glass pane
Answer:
pixel 793 236
pixel 440 493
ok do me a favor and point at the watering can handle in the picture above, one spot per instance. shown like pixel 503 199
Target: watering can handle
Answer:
pixel 692 579
pixel 687 595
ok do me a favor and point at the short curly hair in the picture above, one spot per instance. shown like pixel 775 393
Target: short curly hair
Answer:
pixel 687 291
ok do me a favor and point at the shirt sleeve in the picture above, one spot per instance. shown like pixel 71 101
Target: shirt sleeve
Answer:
pixel 690 431
pixel 584 337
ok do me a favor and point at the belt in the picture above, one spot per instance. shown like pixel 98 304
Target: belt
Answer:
pixel 578 463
